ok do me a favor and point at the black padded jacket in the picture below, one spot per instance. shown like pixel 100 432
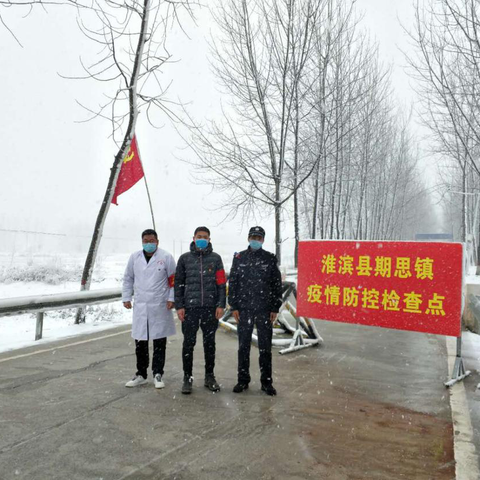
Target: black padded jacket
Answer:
pixel 200 279
pixel 255 282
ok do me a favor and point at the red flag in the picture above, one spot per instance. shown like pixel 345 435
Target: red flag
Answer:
pixel 131 171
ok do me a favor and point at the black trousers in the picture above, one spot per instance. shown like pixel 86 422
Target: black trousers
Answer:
pixel 158 361
pixel 203 317
pixel 249 319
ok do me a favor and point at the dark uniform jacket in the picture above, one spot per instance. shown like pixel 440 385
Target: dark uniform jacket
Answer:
pixel 200 279
pixel 255 282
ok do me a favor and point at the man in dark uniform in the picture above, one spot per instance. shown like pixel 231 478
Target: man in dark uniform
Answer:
pixel 200 291
pixel 255 296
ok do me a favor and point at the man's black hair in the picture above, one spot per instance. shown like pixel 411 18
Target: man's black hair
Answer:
pixel 149 231
pixel 201 229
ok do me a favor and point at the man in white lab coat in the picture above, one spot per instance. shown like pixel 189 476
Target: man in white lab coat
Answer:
pixel 149 279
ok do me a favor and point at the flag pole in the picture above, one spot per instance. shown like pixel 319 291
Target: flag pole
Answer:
pixel 149 199
pixel 146 184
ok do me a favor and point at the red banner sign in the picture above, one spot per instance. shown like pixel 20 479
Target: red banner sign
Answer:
pixel 413 286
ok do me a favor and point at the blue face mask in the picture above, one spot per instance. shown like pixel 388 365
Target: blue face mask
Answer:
pixel 201 243
pixel 149 247
pixel 255 244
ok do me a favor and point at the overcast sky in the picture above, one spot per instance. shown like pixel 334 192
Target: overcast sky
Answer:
pixel 54 171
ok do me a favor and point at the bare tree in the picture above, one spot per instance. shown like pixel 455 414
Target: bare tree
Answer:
pixel 332 100
pixel 259 59
pixel 132 37
pixel 365 182
pixel 310 119
pixel 27 6
pixel 446 68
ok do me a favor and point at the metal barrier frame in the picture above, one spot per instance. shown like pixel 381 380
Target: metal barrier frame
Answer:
pixel 459 372
pixel 304 327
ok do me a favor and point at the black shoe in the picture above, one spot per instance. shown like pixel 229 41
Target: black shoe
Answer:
pixel 240 387
pixel 187 384
pixel 269 390
pixel 211 383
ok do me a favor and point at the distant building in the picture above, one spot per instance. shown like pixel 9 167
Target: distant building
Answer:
pixel 426 237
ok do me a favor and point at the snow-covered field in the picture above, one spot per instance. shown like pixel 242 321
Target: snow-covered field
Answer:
pixel 25 275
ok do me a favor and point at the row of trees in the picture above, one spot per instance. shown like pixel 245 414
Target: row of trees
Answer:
pixel 446 69
pixel 311 131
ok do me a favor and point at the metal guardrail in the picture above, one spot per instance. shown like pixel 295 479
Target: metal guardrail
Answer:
pixel 40 304
pixel 304 333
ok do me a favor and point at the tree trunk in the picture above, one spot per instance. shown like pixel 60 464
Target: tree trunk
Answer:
pixel 295 177
pixel 297 227
pixel 278 233
pixel 313 233
pixel 464 203
pixel 115 170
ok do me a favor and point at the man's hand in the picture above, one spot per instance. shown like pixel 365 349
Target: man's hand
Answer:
pixel 236 315
pixel 273 317
pixel 181 314
pixel 219 313
pixel 170 305
pixel 127 305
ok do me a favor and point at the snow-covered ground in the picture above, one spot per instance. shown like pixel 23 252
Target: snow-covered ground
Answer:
pixel 472 278
pixel 57 274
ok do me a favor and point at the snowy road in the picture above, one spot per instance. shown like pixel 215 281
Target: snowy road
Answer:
pixel 368 405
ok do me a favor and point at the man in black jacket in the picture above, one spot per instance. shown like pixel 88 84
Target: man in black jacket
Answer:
pixel 255 296
pixel 200 291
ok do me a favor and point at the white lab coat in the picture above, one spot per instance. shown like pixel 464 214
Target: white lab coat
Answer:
pixel 148 284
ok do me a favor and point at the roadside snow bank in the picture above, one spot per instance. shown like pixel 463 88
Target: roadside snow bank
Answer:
pixel 57 275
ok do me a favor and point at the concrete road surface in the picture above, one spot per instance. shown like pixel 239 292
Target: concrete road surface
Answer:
pixel 369 404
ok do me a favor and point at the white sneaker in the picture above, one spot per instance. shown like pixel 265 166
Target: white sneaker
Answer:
pixel 158 381
pixel 136 381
